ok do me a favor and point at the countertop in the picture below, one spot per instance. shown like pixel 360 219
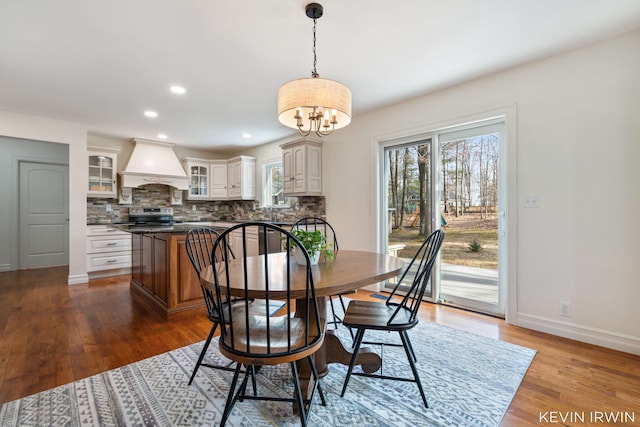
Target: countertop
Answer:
pixel 184 227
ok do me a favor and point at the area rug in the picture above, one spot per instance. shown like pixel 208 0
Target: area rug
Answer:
pixel 469 380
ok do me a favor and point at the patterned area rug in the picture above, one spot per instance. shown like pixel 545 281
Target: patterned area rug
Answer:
pixel 469 380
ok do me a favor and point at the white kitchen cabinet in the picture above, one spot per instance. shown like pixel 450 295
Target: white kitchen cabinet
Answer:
pixel 108 251
pixel 241 178
pixel 218 175
pixel 302 168
pixel 103 164
pixel 233 179
pixel 198 172
pixel 252 242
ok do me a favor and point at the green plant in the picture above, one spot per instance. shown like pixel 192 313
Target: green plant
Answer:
pixel 475 246
pixel 313 242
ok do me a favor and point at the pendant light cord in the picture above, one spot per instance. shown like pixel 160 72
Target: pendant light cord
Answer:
pixel 314 73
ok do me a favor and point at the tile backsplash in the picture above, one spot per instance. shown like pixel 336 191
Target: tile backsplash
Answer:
pixel 157 195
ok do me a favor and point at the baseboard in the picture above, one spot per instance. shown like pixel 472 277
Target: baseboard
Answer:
pixel 109 273
pixel 5 267
pixel 621 342
pixel 77 279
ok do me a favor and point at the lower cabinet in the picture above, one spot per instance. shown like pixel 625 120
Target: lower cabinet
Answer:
pixel 108 251
pixel 237 242
pixel 162 277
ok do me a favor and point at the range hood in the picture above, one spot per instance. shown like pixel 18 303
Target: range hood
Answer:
pixel 153 162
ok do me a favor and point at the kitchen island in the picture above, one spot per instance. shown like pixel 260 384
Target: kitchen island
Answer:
pixel 162 277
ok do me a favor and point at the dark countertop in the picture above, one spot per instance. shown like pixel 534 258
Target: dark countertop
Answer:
pixel 177 228
pixel 184 227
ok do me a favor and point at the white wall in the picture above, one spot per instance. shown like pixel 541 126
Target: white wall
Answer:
pixel 75 135
pixel 578 145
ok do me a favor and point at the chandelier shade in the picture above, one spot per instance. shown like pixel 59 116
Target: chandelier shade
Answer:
pixel 301 99
pixel 314 104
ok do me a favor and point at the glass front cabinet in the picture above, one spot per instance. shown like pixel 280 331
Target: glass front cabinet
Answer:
pixel 198 171
pixel 103 166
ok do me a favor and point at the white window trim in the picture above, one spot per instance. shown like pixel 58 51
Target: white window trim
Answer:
pixel 265 186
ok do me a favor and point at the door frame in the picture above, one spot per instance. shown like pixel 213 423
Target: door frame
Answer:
pixel 20 261
pixel 508 250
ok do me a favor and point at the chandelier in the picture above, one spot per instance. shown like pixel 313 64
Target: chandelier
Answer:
pixel 314 104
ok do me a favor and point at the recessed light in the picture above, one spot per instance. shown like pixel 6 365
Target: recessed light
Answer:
pixel 246 135
pixel 178 90
pixel 151 114
pixel 162 136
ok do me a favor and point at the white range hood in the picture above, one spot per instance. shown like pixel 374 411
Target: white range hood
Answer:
pixel 153 162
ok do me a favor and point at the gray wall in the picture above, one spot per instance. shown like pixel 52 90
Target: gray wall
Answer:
pixel 13 151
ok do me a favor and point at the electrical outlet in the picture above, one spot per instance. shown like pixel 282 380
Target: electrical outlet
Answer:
pixel 565 309
pixel 108 207
pixel 531 202
pixel 193 208
pixel 215 208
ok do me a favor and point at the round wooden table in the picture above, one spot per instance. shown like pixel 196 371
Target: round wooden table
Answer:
pixel 348 271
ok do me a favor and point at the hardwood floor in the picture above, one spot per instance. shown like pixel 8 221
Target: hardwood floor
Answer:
pixel 52 334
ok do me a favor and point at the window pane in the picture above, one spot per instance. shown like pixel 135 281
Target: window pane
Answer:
pixel 274 191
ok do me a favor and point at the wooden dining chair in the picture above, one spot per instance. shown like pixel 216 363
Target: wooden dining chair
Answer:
pixel 256 340
pixel 313 224
pixel 399 313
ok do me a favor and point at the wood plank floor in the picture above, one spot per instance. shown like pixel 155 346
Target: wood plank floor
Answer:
pixel 52 334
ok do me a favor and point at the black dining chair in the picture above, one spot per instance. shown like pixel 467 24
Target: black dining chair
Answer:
pixel 257 340
pixel 313 224
pixel 199 245
pixel 399 313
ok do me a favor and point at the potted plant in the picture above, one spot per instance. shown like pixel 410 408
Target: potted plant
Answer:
pixel 315 243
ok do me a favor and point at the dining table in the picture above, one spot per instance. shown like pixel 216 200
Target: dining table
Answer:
pixel 348 271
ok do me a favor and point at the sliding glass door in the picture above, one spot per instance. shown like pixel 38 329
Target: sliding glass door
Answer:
pixel 450 179
pixel 410 205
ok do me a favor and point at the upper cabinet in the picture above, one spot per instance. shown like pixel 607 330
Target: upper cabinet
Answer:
pixel 241 178
pixel 218 174
pixel 233 179
pixel 103 164
pixel 302 168
pixel 198 173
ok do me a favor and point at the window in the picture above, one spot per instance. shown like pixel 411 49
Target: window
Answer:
pixel 273 186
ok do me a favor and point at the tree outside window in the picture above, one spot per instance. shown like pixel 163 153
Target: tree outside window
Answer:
pixel 273 186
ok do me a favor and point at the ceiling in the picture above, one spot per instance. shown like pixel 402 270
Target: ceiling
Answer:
pixel 103 63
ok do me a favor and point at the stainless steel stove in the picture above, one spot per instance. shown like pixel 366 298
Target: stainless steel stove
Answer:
pixel 150 217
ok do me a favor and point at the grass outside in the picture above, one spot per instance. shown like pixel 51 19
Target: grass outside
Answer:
pixel 459 233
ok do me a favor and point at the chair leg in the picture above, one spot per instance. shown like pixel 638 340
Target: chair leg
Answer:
pixel 299 400
pixel 413 353
pixel 317 381
pixel 344 307
pixel 203 352
pixel 231 398
pixel 253 380
pixel 344 310
pixel 408 349
pixel 336 319
pixel 356 348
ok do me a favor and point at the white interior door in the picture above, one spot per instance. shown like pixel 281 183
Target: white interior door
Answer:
pixel 44 214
